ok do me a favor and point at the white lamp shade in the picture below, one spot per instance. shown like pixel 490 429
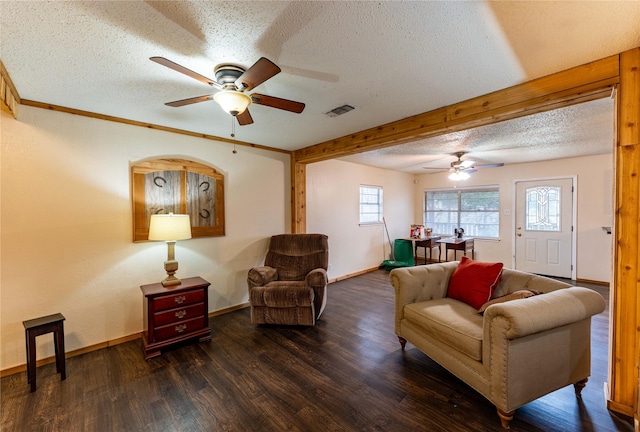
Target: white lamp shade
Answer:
pixel 233 102
pixel 169 227
pixel 458 175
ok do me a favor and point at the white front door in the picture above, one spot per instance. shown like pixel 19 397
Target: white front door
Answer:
pixel 543 237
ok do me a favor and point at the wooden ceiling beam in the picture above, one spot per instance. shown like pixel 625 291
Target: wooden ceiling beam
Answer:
pixel 580 84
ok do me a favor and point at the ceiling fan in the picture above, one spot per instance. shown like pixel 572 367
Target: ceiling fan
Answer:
pixel 233 81
pixel 460 169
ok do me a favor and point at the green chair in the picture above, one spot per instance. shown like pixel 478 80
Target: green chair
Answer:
pixel 402 255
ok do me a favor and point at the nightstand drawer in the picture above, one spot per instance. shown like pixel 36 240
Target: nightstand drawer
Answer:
pixel 178 299
pixel 179 314
pixel 179 329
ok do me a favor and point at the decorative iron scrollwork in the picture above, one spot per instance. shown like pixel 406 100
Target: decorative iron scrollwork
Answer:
pixel 155 181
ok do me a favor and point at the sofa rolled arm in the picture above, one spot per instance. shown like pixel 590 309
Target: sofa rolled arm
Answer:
pixel 546 311
pixel 260 276
pixel 317 278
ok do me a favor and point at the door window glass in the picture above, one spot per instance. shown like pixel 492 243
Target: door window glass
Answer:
pixel 543 208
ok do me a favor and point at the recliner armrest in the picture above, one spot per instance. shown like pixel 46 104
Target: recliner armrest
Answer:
pixel 317 278
pixel 260 276
pixel 545 311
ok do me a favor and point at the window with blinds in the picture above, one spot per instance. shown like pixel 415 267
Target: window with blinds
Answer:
pixel 476 210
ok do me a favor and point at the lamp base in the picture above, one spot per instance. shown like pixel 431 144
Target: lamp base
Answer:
pixel 171 280
pixel 171 266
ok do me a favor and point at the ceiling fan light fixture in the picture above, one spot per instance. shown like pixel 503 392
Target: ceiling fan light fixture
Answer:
pixel 458 176
pixel 233 102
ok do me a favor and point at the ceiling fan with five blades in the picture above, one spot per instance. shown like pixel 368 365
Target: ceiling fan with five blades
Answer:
pixel 233 81
pixel 460 169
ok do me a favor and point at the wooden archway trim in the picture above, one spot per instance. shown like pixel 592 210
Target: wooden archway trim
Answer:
pixel 625 297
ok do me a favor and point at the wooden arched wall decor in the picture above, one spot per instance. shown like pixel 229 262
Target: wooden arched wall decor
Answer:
pixel 179 186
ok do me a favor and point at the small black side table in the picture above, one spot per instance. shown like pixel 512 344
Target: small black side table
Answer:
pixel 39 326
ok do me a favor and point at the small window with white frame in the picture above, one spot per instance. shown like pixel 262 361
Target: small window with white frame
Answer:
pixel 370 204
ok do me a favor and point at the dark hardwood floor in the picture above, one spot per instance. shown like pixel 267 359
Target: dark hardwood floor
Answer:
pixel 347 373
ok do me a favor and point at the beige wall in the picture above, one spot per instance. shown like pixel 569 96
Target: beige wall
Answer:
pixel 66 225
pixel 66 221
pixel 594 201
pixel 333 189
pixel 332 208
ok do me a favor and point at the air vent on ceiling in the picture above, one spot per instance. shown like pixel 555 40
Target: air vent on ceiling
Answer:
pixel 340 110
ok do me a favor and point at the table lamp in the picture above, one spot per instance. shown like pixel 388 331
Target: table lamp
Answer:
pixel 169 228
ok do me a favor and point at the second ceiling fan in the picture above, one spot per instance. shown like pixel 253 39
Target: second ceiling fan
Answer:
pixel 233 81
pixel 460 169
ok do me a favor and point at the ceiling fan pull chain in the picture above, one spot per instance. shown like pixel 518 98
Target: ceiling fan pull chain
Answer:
pixel 233 134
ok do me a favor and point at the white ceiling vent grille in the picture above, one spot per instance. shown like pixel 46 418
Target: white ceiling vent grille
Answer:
pixel 340 110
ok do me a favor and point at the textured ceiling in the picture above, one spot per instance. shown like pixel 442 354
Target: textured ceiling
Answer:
pixel 578 130
pixel 390 60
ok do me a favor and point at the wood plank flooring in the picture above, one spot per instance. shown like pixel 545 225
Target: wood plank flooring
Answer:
pixel 347 373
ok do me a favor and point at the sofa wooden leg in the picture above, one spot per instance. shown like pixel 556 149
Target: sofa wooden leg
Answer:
pixel 505 417
pixel 403 342
pixel 579 386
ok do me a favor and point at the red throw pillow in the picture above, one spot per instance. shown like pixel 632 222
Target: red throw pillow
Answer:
pixel 473 282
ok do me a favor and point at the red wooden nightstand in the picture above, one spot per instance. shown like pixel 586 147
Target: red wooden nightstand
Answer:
pixel 174 314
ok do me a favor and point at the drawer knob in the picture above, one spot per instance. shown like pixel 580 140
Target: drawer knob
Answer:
pixel 180 328
pixel 181 314
pixel 180 299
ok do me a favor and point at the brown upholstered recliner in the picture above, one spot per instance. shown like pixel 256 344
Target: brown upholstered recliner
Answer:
pixel 291 286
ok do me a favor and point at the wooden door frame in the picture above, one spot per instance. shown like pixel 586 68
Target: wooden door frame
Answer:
pixel 583 83
pixel 574 218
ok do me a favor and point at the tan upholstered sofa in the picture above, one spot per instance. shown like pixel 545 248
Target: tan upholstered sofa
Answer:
pixel 517 350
